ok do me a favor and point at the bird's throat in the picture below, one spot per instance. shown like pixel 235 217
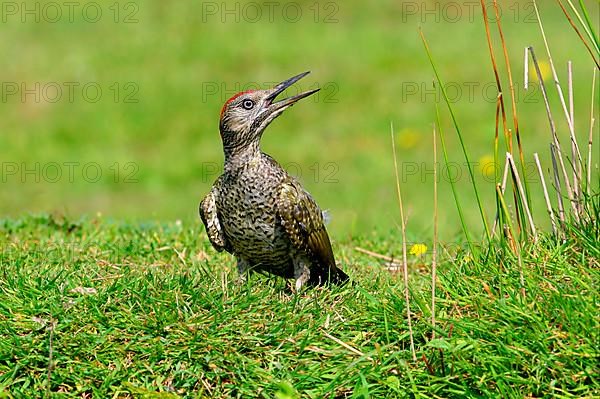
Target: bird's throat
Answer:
pixel 240 156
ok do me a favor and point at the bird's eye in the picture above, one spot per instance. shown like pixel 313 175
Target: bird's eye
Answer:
pixel 248 104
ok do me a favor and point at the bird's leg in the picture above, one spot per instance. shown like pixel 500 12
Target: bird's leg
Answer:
pixel 243 270
pixel 301 272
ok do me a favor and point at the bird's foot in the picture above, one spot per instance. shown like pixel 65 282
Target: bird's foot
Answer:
pixel 242 279
pixel 301 279
pixel 301 273
pixel 243 271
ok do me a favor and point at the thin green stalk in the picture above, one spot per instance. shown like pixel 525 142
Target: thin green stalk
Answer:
pixel 496 171
pixel 524 205
pixel 404 258
pixel 577 30
pixel 435 235
pixel 502 189
pixel 546 196
pixel 591 136
pixel 505 218
pixel 452 185
pixel 512 232
pixel 460 137
pixel 590 27
pixel 557 186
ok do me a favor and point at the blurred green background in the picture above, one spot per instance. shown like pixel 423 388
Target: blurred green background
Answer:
pixel 113 107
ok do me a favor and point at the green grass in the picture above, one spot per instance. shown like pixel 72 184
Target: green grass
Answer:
pixel 93 308
pixel 126 303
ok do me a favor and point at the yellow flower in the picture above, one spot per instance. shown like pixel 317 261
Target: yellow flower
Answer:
pixel 418 249
pixel 408 138
pixel 487 166
pixel 545 71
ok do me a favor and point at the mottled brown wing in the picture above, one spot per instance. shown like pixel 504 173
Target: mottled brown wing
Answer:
pixel 210 218
pixel 303 221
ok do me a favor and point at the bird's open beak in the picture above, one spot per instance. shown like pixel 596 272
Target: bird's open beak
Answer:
pixel 287 102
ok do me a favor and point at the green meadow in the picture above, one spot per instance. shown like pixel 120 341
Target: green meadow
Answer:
pixel 122 117
pixel 91 309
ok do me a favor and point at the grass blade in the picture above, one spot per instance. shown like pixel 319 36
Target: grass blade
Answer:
pixel 546 197
pixel 521 191
pixel 507 133
pixel 557 185
pixel 516 246
pixel 558 87
pixel 502 188
pixel 461 215
pixel 404 259
pixel 590 26
pixel 554 134
pixel 591 137
pixel 585 43
pixel 435 235
pixel 460 137
pixel 512 94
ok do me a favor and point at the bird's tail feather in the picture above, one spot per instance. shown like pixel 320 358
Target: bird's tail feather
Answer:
pixel 331 275
pixel 339 277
